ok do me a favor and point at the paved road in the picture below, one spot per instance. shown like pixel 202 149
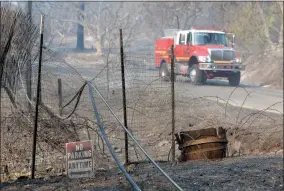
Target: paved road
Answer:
pixel 259 98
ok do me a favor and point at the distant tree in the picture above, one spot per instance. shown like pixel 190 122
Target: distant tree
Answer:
pixel 105 19
pixel 257 24
pixel 169 15
pixel 100 20
pixel 80 27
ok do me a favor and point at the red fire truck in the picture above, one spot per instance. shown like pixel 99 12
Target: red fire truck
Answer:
pixel 200 54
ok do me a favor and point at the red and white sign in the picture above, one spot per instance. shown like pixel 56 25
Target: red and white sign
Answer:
pixel 79 159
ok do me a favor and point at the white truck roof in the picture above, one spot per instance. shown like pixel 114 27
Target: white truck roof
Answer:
pixel 171 33
pixel 198 30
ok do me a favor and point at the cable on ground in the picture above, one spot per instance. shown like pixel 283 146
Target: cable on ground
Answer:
pixel 127 176
pixel 91 89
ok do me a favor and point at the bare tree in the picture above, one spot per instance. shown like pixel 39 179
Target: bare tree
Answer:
pixel 165 15
pixel 105 19
pixel 101 20
pixel 80 28
pixel 256 23
pixel 54 27
pixel 281 25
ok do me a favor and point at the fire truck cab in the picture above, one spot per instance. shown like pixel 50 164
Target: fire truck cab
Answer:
pixel 199 54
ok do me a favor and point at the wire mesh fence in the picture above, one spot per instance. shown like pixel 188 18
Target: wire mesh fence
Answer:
pixel 148 108
pixel 147 100
pixel 53 131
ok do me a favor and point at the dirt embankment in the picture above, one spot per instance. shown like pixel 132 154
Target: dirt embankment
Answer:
pixel 265 69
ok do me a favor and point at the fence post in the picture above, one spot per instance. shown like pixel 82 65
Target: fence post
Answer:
pixel 173 103
pixel 108 95
pixel 38 98
pixel 60 96
pixel 123 95
pixel 1 70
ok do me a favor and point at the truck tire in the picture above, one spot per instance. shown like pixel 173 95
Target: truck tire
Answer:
pixel 234 79
pixel 204 78
pixel 164 72
pixel 196 76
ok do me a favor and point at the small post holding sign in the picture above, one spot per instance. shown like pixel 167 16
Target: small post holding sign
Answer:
pixel 79 158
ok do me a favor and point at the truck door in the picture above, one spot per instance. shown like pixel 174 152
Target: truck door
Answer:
pixel 187 50
pixel 179 50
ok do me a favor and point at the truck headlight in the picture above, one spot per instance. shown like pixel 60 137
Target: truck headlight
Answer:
pixel 238 60
pixel 204 59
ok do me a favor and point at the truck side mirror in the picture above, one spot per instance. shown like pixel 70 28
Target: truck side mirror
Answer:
pixel 233 42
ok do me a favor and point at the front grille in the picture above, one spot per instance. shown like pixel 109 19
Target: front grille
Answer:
pixel 226 55
pixel 216 55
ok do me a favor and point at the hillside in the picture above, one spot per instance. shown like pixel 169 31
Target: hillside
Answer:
pixel 265 69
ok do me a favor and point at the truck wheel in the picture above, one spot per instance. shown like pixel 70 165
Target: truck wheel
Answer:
pixel 234 79
pixel 164 73
pixel 196 75
pixel 204 78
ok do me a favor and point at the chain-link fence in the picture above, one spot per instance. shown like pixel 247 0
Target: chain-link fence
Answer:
pixel 66 114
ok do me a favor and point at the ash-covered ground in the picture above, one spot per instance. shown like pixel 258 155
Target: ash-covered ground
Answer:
pixel 238 173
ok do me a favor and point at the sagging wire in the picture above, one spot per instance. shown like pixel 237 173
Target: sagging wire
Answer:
pixel 77 95
pixel 91 89
pixel 102 130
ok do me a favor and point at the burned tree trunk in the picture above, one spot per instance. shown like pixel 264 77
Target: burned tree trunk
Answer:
pixel 80 28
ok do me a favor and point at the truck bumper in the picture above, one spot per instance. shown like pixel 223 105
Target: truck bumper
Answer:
pixel 221 67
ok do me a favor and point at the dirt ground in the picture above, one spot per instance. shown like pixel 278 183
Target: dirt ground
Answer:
pixel 249 132
pixel 238 173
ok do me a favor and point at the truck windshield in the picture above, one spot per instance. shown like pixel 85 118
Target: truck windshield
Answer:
pixel 202 38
